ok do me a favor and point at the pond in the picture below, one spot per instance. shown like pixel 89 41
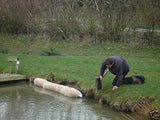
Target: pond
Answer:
pixel 24 101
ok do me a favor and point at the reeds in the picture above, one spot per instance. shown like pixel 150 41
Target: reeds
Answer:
pixel 80 20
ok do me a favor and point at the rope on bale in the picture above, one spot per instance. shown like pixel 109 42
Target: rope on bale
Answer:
pixel 65 90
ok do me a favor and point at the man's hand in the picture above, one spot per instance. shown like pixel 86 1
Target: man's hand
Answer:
pixel 101 77
pixel 114 87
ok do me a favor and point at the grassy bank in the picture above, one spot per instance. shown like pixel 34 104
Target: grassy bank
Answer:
pixel 81 62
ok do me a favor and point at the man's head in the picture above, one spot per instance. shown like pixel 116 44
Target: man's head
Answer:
pixel 109 62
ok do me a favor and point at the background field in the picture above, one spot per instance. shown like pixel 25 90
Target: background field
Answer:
pixel 81 62
pixel 68 40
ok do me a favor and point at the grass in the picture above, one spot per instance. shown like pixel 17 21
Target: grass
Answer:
pixel 82 61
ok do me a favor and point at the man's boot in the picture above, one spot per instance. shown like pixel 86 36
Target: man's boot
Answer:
pixel 138 79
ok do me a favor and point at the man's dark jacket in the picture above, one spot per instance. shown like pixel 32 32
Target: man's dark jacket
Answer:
pixel 120 68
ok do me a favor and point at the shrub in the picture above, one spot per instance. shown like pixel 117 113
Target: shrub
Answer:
pixel 16 17
pixel 4 49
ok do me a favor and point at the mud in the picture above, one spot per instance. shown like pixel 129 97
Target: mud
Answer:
pixel 142 107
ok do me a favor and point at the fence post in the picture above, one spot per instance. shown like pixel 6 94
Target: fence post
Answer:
pixel 10 60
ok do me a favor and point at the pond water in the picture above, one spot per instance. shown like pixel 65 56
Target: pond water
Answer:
pixel 22 101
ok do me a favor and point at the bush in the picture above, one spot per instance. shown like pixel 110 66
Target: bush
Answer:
pixel 16 17
pixel 81 20
pixel 4 49
pixel 12 25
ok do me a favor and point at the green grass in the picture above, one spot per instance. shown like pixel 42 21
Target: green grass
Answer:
pixel 82 62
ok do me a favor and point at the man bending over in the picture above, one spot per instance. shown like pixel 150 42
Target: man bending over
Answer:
pixel 119 67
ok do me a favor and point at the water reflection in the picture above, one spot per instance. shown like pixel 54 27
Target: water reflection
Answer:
pixel 58 96
pixel 24 102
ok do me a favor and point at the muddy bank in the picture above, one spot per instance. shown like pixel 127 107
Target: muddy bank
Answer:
pixel 141 108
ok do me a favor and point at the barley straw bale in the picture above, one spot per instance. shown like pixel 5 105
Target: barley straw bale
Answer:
pixel 65 90
pixel 39 82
